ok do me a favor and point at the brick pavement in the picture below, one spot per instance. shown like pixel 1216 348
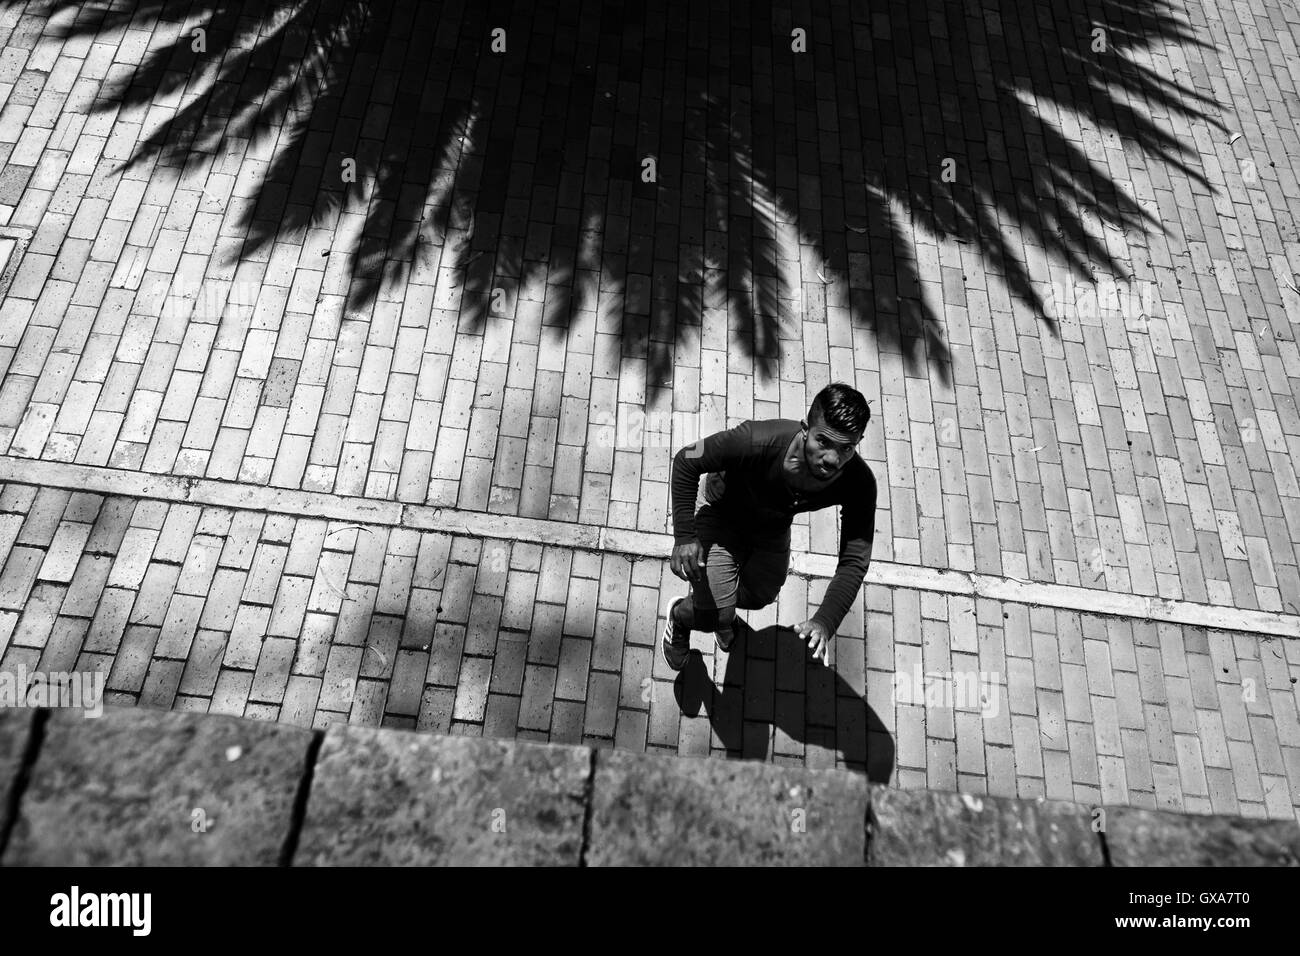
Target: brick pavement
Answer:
pixel 225 307
pixel 310 621
pixel 171 315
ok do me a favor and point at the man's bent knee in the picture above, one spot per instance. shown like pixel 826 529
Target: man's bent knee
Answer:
pixel 749 598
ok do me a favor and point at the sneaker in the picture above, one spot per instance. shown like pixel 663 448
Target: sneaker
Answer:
pixel 677 639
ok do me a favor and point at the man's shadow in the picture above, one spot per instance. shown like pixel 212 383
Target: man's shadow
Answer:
pixel 771 680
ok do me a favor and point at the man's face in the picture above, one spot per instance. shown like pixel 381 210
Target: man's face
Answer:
pixel 827 450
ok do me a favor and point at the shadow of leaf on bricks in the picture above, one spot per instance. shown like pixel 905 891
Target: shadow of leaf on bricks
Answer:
pixel 816 708
pixel 790 186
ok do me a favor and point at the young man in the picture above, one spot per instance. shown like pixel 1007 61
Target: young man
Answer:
pixel 736 551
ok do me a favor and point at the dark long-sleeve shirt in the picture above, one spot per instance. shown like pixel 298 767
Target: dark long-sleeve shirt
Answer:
pixel 759 504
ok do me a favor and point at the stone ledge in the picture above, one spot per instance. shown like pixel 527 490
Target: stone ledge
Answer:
pixel 1147 838
pixel 124 789
pixel 16 728
pixel 393 798
pixel 659 810
pixel 151 788
pixel 929 828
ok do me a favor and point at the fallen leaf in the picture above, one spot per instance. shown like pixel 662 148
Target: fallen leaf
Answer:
pixel 1235 137
pixel 349 527
pixel 331 585
pixel 234 753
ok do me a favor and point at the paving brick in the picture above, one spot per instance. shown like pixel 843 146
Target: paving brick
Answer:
pixel 338 686
pixel 43 517
pixel 231 694
pixel 272 675
pixel 131 662
pixel 64 552
pixel 566 722
pixel 18 576
pixel 502 718
pixel 407 683
pixel 160 685
pixel 472 689
pixel 435 709
pixel 64 645
pixel 571 677
pixel 508 664
pixel 538 698
pixel 299 706
pixel 368 704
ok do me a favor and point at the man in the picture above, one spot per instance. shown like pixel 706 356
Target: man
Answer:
pixel 736 551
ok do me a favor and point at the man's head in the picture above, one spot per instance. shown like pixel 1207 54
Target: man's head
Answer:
pixel 835 425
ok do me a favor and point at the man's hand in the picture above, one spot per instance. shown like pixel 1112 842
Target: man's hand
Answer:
pixel 688 561
pixel 818 639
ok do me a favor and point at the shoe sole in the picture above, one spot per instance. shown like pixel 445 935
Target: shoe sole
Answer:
pixel 665 638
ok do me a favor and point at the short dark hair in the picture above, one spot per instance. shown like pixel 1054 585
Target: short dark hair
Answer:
pixel 841 407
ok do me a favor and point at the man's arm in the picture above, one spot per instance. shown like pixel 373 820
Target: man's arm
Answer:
pixel 857 532
pixel 718 452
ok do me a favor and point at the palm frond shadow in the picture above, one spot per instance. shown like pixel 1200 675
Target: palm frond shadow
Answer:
pixel 522 172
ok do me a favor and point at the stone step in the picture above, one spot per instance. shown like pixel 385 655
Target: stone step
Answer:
pixel 139 787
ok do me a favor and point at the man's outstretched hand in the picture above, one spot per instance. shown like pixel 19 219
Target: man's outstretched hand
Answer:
pixel 688 561
pixel 818 639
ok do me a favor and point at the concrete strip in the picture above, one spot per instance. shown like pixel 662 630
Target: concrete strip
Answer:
pixel 203 491
pixel 14 241
pixel 1066 597
pixel 113 481
pixel 478 524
